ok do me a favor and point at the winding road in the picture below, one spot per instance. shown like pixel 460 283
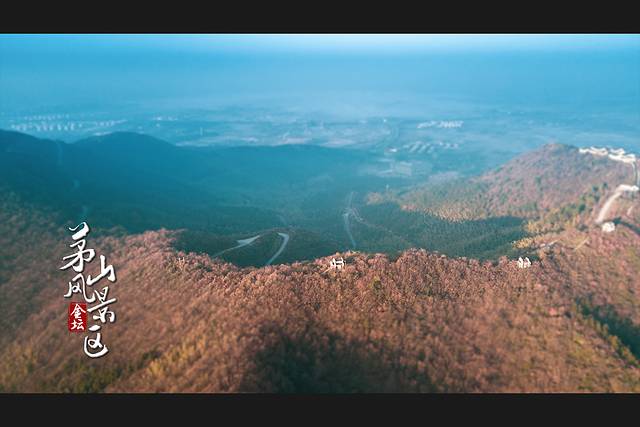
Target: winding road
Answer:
pixel 285 241
pixel 617 155
pixel 241 243
pixel 345 217
pixel 248 241
pixel 622 188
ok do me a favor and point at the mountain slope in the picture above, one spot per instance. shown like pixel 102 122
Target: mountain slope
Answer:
pixel 527 186
pixel 549 190
pixel 416 321
pixel 419 322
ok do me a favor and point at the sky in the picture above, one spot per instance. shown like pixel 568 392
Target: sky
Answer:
pixel 590 71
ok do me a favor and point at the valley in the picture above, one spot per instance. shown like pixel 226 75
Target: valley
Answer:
pixel 430 299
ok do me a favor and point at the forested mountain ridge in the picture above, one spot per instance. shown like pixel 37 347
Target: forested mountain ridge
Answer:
pixel 528 186
pixel 413 320
pixel 550 190
pixel 419 321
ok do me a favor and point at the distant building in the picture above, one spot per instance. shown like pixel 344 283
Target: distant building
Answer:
pixel 337 264
pixel 595 151
pixel 524 263
pixel 629 188
pixel 608 227
pixel 616 154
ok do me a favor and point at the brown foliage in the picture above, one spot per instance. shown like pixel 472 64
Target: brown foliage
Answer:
pixel 421 322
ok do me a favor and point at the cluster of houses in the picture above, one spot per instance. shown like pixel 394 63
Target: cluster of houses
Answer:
pixel 617 154
pixel 444 124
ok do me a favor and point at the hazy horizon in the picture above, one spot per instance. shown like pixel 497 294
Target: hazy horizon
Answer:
pixel 59 70
pixel 532 89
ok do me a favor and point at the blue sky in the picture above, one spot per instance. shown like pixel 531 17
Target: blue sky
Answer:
pixel 40 70
pixel 326 42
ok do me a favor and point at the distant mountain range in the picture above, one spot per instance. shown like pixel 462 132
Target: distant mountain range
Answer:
pixel 138 182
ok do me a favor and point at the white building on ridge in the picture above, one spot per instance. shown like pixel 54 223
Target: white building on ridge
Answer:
pixel 524 263
pixel 608 227
pixel 337 264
